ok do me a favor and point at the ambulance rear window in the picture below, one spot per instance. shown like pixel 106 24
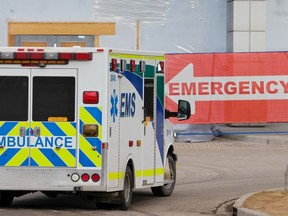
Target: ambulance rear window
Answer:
pixel 53 96
pixel 13 98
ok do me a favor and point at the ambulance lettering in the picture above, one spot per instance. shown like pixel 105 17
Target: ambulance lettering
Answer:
pixel 14 141
pixel 40 142
pixel 46 142
pixel 127 104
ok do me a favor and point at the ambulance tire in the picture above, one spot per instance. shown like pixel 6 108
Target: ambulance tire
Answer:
pixel 167 189
pixel 6 198
pixel 126 194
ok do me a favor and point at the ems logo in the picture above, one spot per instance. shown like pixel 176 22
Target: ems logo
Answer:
pixel 114 101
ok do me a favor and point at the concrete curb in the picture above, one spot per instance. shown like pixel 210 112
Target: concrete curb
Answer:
pixel 238 210
pixel 261 139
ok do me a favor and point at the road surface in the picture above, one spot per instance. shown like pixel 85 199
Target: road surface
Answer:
pixel 210 177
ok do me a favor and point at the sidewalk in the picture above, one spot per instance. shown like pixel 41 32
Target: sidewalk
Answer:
pixel 271 202
pixel 239 210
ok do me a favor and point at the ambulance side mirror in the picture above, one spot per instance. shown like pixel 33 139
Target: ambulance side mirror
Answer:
pixel 184 110
pixel 183 113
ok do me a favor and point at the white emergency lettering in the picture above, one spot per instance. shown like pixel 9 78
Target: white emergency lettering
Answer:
pixel 229 88
pixel 127 104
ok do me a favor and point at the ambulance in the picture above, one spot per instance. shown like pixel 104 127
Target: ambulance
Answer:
pixel 85 121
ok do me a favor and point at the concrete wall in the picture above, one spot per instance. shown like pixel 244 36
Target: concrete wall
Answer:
pixel 246 25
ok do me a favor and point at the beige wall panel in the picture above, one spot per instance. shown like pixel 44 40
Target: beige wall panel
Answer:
pixel 61 28
pixel 34 44
pixel 71 44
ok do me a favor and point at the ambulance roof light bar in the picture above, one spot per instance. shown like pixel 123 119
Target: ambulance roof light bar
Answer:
pixel 41 59
pixel 20 55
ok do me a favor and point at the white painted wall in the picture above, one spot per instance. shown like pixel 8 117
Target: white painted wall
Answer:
pixel 186 25
pixel 179 25
pixel 277 25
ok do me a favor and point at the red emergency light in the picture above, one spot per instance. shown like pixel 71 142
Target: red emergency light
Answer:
pixel 161 63
pixel 65 56
pixel 37 55
pixel 83 56
pixel 113 64
pixel 132 65
pixel 90 97
pixel 21 55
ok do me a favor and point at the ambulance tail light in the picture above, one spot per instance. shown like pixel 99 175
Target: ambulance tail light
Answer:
pixel 105 145
pixel 85 177
pixel 90 97
pixel 95 177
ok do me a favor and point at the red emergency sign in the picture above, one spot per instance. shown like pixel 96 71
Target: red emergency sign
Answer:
pixel 229 87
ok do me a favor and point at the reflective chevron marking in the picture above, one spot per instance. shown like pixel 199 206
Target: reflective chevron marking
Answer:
pixel 90 147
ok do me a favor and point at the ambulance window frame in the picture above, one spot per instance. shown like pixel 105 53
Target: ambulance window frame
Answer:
pixel 51 101
pixel 149 94
pixel 14 90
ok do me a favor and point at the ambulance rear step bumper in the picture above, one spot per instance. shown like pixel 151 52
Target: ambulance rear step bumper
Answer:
pixel 48 179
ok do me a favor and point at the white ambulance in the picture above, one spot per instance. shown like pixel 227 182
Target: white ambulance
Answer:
pixel 85 121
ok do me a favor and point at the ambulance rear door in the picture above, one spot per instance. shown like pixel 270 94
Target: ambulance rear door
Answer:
pixel 14 117
pixel 53 118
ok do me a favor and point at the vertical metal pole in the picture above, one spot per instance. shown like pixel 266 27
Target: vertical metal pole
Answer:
pixel 138 35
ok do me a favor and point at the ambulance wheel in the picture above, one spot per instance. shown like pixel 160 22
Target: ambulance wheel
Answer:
pixel 126 194
pixel 167 189
pixel 6 198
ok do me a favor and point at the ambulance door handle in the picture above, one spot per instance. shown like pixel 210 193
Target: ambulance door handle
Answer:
pixel 36 131
pixel 144 114
pixel 22 131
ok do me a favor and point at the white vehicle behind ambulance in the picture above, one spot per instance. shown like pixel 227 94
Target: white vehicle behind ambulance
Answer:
pixel 85 121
